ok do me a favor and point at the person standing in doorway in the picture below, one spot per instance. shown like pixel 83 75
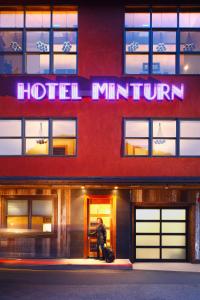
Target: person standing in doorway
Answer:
pixel 100 232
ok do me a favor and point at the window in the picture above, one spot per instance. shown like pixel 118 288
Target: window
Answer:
pixel 64 137
pixel 189 138
pixel 39 40
pixel 161 138
pixel 24 214
pixel 136 137
pixel 10 137
pixel 38 137
pixel 160 234
pixel 156 43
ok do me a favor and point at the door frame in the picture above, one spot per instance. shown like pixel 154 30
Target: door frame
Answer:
pixel 112 199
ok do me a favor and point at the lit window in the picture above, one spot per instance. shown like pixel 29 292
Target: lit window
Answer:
pixel 64 137
pixel 136 138
pixel 37 142
pixel 137 20
pixel 12 18
pixel 19 212
pixel 190 138
pixel 10 141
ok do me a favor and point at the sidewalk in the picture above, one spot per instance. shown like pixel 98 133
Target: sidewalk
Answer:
pixel 174 267
pixel 64 264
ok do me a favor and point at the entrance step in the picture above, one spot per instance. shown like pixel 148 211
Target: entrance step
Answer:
pixel 65 264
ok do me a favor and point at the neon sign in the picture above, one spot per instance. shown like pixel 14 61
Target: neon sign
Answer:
pixel 108 91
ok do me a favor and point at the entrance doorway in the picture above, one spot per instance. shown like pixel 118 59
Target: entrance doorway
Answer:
pixel 160 234
pixel 99 207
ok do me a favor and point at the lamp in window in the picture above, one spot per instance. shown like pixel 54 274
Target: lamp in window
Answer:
pixel 43 47
pixel 41 140
pixel 14 45
pixel 159 140
pixel 132 47
pixel 189 46
pixel 161 45
pixel 67 47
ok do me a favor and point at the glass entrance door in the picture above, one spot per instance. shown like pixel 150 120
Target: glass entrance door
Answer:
pixel 161 234
pixel 99 208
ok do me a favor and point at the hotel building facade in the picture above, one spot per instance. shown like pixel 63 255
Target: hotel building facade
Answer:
pixel 100 117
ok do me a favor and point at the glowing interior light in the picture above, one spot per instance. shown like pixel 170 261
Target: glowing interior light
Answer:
pixel 186 67
pixel 47 227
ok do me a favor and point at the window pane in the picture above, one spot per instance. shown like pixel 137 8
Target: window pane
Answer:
pixel 64 64
pixel 12 19
pixel 10 128
pixel 41 224
pixel 173 227
pixel 164 41
pixel 37 64
pixel 173 214
pixel 37 128
pixel 64 128
pixel 137 19
pixel 42 207
pixel 164 128
pixel 137 128
pixel 164 19
pixel 64 146
pixel 189 64
pixel 10 146
pixel 147 214
pixel 173 240
pixel 17 222
pixel 163 64
pixel 11 41
pixel 147 253
pixel 10 64
pixel 164 147
pixel 37 18
pixel 147 240
pixel 147 227
pixel 17 207
pixel 37 41
pixel 190 128
pixel 37 146
pixel 178 253
pixel 137 64
pixel 68 19
pixel 190 41
pixel 190 147
pixel 137 41
pixel 136 147
pixel 189 19
pixel 65 41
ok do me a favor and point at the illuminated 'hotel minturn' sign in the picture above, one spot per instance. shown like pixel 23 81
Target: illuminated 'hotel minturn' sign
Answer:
pixel 108 91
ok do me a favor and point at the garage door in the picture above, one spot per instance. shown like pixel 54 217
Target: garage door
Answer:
pixel 160 234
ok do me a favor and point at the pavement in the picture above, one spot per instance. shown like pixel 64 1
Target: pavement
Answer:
pixel 65 264
pixel 169 267
pixel 98 285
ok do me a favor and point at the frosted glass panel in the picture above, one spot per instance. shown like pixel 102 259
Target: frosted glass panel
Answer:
pixel 17 207
pixel 35 128
pixel 190 128
pixel 173 240
pixel 17 223
pixel 148 253
pixel 147 227
pixel 64 128
pixel 173 214
pixel 147 214
pixel 100 209
pixel 147 240
pixel 10 146
pixel 42 207
pixel 10 128
pixel 164 129
pixel 173 227
pixel 137 20
pixel 173 253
